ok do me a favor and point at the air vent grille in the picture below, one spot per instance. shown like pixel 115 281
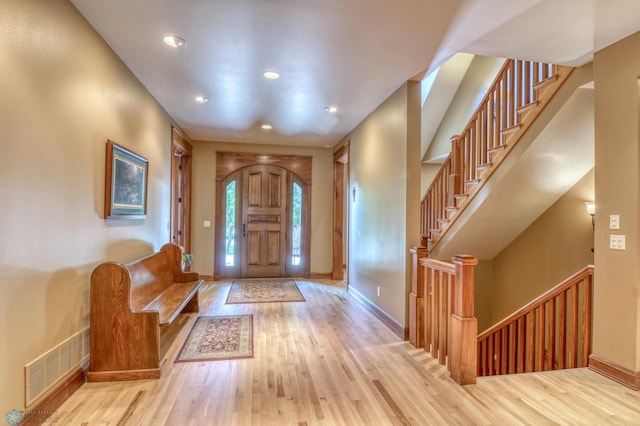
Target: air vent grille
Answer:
pixel 49 368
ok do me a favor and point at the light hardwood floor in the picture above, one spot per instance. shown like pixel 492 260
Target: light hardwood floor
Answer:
pixel 329 361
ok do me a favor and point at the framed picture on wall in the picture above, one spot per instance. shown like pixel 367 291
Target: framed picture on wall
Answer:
pixel 125 195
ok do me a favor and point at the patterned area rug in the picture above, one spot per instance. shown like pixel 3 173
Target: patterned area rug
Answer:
pixel 218 338
pixel 264 290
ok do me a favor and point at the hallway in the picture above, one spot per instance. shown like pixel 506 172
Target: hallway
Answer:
pixel 329 361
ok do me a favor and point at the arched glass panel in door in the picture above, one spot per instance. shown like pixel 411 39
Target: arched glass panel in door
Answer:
pixel 298 247
pixel 230 224
pixel 296 229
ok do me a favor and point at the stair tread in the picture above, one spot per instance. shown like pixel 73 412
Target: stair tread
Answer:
pixel 511 129
pixel 528 106
pixel 546 82
pixel 497 148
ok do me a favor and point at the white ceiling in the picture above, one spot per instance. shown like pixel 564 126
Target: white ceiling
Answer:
pixel 349 53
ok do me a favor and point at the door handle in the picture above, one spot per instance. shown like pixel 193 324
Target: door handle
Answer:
pixel 244 230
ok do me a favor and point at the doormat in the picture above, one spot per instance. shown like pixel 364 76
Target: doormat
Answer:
pixel 264 290
pixel 219 338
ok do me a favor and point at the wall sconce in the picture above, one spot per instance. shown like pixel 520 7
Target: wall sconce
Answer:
pixel 591 211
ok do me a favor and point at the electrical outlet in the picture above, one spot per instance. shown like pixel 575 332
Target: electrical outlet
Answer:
pixel 207 224
pixel 617 242
pixel 378 291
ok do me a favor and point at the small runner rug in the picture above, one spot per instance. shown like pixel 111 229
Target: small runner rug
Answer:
pixel 218 338
pixel 264 290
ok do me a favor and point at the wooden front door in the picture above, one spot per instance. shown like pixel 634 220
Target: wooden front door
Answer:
pixel 264 221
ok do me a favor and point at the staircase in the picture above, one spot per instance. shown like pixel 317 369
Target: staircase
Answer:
pixel 552 331
pixel 516 98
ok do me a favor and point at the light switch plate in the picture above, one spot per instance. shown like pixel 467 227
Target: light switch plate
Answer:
pixel 614 221
pixel 617 242
pixel 207 224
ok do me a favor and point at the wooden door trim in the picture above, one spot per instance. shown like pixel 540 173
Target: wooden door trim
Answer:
pixel 229 162
pixel 180 144
pixel 340 158
pixel 180 141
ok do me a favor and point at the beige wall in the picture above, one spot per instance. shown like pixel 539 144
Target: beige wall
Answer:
pixel 429 172
pixel 204 195
pixel 551 249
pixel 616 330
pixel 483 293
pixel 63 94
pixel 384 169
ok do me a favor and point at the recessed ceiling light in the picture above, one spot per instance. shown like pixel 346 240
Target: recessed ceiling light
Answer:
pixel 271 75
pixel 331 109
pixel 267 126
pixel 174 41
pixel 201 99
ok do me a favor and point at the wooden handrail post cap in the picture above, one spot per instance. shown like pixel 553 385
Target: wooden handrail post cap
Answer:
pixel 420 251
pixel 464 259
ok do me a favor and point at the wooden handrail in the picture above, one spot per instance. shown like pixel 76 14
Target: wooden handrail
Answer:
pixel 438 265
pixel 517 96
pixel 544 334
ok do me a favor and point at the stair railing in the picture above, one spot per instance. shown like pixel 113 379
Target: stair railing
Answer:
pixel 447 327
pixel 516 97
pixel 552 332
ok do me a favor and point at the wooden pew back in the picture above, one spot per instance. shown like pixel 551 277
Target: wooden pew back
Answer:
pixel 150 277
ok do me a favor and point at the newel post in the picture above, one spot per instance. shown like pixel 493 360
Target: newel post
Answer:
pixel 464 325
pixel 416 298
pixel 454 184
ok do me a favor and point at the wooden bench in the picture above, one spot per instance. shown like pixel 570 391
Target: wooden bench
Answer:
pixel 129 306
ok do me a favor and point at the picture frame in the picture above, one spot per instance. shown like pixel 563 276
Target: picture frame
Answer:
pixel 126 177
